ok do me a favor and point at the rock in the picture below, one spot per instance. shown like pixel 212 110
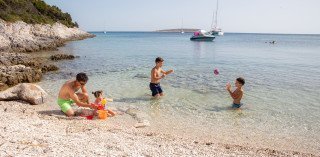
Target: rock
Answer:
pixel 22 37
pixel 141 76
pixel 3 86
pixel 47 68
pixel 28 92
pixel 12 75
pixel 61 57
pixel 9 59
pixel 22 68
pixel 141 124
pixel 140 116
pixel 209 143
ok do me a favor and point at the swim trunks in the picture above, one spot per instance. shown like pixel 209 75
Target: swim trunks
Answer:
pixel 236 105
pixel 65 105
pixel 155 88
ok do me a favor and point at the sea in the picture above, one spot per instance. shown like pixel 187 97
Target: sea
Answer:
pixel 281 102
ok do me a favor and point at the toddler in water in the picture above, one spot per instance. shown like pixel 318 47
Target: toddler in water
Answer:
pixel 238 93
pixel 99 97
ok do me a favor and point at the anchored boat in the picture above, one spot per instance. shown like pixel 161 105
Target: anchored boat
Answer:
pixel 202 35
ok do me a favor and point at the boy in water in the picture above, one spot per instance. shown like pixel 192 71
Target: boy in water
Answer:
pixel 155 78
pixel 238 93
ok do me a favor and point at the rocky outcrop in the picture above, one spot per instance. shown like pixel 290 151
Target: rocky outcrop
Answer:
pixel 20 68
pixel 28 92
pixel 57 57
pixel 12 75
pixel 8 59
pixel 23 37
pixel 47 68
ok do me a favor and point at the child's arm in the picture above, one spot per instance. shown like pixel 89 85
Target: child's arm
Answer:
pixel 109 99
pixel 75 98
pixel 167 72
pixel 234 94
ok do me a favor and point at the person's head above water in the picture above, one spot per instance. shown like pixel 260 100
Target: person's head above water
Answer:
pixel 159 61
pixel 240 82
pixel 97 93
pixel 82 78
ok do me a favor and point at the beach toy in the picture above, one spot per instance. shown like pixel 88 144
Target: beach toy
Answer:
pixel 99 106
pixel 89 117
pixel 216 71
pixel 103 102
pixel 102 114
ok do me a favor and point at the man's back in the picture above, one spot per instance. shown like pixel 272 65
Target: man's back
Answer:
pixel 65 90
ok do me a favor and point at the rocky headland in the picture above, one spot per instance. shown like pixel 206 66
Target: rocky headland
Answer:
pixel 19 39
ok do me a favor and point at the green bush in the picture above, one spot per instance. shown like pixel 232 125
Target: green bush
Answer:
pixel 10 17
pixel 3 5
pixel 33 11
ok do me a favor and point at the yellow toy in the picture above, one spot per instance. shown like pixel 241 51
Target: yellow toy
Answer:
pixel 104 102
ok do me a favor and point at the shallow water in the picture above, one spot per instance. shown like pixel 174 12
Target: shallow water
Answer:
pixel 281 110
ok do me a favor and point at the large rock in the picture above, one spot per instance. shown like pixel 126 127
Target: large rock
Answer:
pixel 28 92
pixel 22 68
pixel 57 57
pixel 12 75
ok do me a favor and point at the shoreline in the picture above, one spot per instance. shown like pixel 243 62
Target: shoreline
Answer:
pixel 43 129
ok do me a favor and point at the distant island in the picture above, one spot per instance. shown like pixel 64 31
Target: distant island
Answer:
pixel 178 30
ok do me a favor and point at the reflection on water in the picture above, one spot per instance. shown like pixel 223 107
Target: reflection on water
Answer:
pixel 199 49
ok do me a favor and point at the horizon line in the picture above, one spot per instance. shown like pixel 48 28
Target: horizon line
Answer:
pixel 156 31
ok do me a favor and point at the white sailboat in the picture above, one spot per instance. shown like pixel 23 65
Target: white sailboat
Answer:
pixel 182 27
pixel 105 28
pixel 215 30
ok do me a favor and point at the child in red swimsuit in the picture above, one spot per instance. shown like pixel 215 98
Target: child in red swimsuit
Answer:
pixel 99 98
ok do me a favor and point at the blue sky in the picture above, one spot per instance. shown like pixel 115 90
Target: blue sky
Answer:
pixel 247 16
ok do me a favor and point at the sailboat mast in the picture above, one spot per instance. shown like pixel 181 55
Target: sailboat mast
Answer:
pixel 216 18
pixel 182 25
pixel 213 19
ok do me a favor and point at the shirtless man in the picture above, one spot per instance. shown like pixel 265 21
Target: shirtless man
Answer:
pixel 155 78
pixel 69 94
pixel 238 93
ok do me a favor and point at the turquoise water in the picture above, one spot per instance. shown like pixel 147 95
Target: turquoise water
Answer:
pixel 281 110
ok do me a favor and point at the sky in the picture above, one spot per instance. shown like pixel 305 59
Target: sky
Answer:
pixel 243 16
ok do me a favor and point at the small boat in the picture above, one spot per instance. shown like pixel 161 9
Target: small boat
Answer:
pixel 202 35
